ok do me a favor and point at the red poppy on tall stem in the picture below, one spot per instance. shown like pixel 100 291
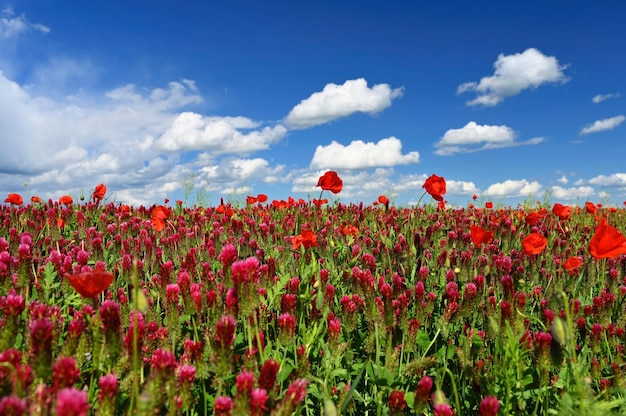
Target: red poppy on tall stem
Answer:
pixel 330 181
pixel 435 186
pixel 572 264
pixel 35 199
pixel 562 211
pixel 480 235
pixel 384 200
pixel 91 284
pixel 607 241
pixel 534 243
pixel 99 192
pixel 15 199
pixel 160 215
pixel 590 207
pixel 66 200
pixel 306 239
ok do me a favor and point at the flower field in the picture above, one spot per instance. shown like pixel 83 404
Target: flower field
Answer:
pixel 298 307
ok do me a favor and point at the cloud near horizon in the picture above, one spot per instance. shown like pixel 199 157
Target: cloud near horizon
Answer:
pixel 513 74
pixel 337 101
pixel 474 137
pixel 361 155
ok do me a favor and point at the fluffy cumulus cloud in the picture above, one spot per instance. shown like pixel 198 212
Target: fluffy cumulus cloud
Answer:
pixel 361 155
pixel 603 97
pixel 191 131
pixel 336 101
pixel 13 26
pixel 609 181
pixel 513 189
pixel 513 74
pixel 474 137
pixel 574 193
pixel 602 125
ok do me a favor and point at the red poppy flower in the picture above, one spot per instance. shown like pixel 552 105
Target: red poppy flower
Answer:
pixel 15 199
pixel 572 263
pixel 349 230
pixel 66 200
pixel 306 238
pixel 590 207
pixel 534 243
pixel 435 186
pixel 383 199
pixel 35 199
pixel 99 192
pixel 562 211
pixel 261 198
pixel 607 241
pixel 160 215
pixel 534 217
pixel 480 235
pixel 91 284
pixel 474 197
pixel 319 202
pixel 179 202
pixel 60 222
pixel 489 204
pixel 330 181
pixel 223 209
pixel 250 200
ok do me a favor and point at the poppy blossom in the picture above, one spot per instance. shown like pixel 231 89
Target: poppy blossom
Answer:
pixel 99 192
pixel 250 200
pixel 435 186
pixel 66 200
pixel 349 230
pixel 572 263
pixel 590 207
pixel 261 198
pixel 15 199
pixel 91 284
pixel 223 209
pixel 330 181
pixel 306 239
pixel 488 204
pixel 160 215
pixel 60 222
pixel 319 202
pixel 534 217
pixel 179 202
pixel 534 243
pixel 480 235
pixel 384 200
pixel 607 241
pixel 562 211
pixel 35 199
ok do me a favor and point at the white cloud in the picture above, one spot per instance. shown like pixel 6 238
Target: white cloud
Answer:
pixel 572 193
pixel 192 131
pixel 513 189
pixel 601 125
pixel 474 137
pixel 513 74
pixel 602 97
pixel 361 155
pixel 336 101
pixel 13 26
pixel 563 179
pixel 614 180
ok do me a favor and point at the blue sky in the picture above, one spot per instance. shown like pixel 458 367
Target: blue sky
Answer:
pixel 244 97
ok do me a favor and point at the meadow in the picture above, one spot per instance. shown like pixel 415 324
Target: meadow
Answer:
pixel 311 308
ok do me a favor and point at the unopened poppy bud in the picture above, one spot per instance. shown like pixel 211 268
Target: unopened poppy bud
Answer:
pixel 559 331
pixel 439 397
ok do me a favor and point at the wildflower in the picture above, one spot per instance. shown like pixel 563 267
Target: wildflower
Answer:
pixel 15 199
pixel 91 284
pixel 223 406
pixel 40 331
pixel 12 405
pixel 396 401
pixel 66 200
pixel 108 387
pixel 424 387
pixel 607 241
pixel 258 400
pixel 489 204
pixel 534 243
pixel 98 193
pixel 269 370
pixel 562 211
pixel 225 331
pixel 296 392
pixel 435 186
pixel 534 217
pixel 306 239
pixel 572 264
pixel 64 373
pixel 160 215
pixel 287 325
pixel 330 181
pixel 480 235
pixel 590 207
pixel 489 406
pixel 35 199
pixel 72 402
